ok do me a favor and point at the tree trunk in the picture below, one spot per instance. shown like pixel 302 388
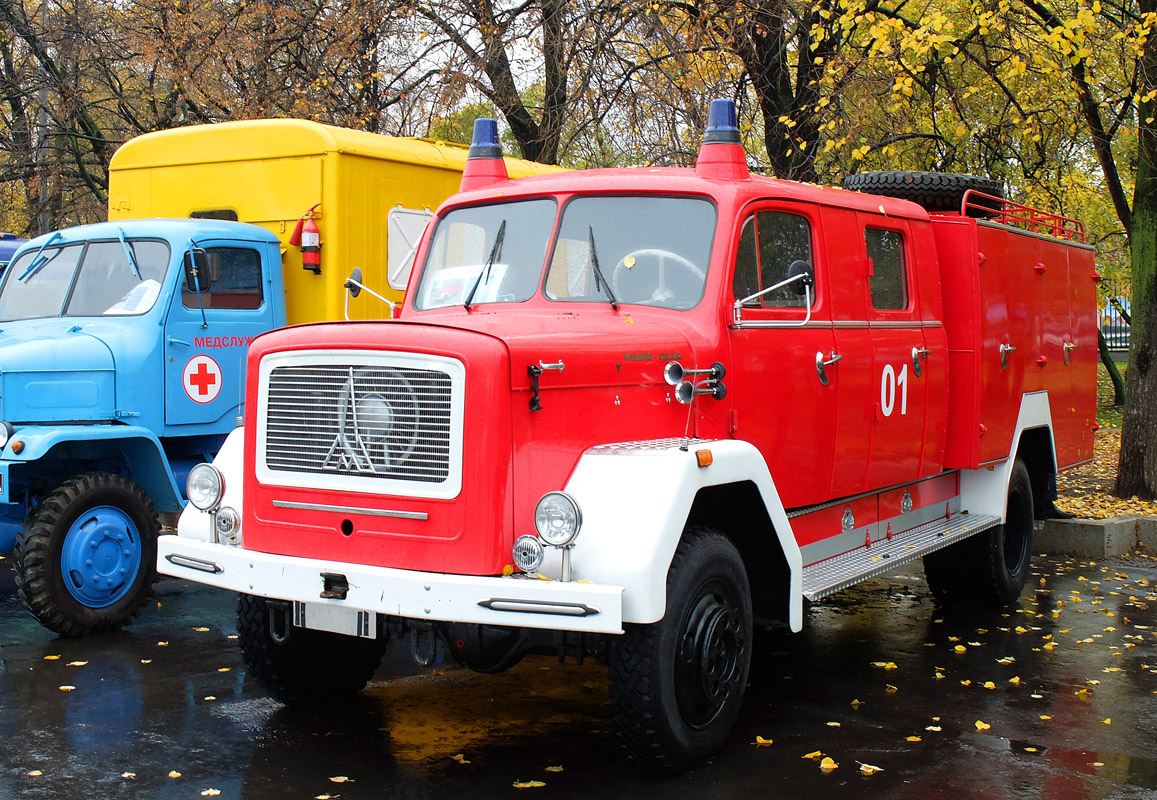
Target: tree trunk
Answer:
pixel 1137 470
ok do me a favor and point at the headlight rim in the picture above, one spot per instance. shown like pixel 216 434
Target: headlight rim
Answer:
pixel 219 479
pixel 577 517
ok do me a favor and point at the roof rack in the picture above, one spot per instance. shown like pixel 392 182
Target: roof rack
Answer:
pixel 1006 212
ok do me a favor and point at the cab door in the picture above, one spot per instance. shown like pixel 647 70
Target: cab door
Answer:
pixel 880 331
pixel 208 333
pixel 780 402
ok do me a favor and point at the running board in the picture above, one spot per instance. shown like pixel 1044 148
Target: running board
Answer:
pixel 839 572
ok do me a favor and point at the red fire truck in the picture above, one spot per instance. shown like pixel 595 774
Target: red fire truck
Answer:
pixel 626 412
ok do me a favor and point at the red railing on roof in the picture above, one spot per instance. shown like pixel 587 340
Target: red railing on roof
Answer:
pixel 1006 212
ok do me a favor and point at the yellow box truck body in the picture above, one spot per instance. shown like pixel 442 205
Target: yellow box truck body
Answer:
pixel 374 195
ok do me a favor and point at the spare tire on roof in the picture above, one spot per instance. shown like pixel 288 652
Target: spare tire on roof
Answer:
pixel 935 191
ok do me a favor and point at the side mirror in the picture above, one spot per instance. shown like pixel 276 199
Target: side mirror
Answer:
pixel 800 267
pixel 197 270
pixel 353 284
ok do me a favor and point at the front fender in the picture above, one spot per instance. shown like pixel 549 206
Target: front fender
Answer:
pixel 138 448
pixel 197 524
pixel 635 500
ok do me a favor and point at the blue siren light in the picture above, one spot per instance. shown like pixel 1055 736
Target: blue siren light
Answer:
pixel 722 123
pixel 485 144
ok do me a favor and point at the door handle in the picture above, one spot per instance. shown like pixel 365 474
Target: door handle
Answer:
pixel 1069 348
pixel 821 363
pixel 174 340
pixel 1005 349
pixel 917 354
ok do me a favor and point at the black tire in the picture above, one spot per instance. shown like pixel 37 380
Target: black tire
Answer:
pixel 990 568
pixel 308 667
pixel 935 191
pixel 112 522
pixel 677 684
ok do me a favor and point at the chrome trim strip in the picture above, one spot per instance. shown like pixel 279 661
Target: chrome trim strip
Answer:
pixel 373 512
pixel 799 511
pixel 178 560
pixel 531 607
pixel 843 324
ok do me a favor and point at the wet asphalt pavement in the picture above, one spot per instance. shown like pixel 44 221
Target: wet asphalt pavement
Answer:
pixel 1055 698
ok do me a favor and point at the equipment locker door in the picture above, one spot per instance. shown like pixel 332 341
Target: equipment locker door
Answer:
pixel 780 401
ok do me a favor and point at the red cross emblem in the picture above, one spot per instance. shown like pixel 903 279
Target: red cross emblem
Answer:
pixel 202 379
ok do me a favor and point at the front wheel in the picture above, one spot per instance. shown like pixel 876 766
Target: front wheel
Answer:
pixel 299 666
pixel 86 559
pixel 677 684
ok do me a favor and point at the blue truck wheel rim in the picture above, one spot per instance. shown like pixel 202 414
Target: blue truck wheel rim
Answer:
pixel 101 556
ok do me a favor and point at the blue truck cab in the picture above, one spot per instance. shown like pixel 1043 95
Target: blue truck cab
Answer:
pixel 122 357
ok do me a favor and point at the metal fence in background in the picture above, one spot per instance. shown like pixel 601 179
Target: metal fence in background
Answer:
pixel 1116 296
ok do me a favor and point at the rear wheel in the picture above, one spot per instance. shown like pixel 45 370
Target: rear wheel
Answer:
pixel 86 558
pixel 990 568
pixel 677 684
pixel 303 666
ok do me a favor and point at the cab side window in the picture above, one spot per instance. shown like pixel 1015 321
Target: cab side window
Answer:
pixel 889 280
pixel 234 280
pixel 769 244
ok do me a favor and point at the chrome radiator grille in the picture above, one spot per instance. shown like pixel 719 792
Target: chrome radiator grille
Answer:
pixel 378 421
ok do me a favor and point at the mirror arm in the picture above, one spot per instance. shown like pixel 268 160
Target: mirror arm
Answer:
pixel 197 284
pixel 807 297
pixel 351 282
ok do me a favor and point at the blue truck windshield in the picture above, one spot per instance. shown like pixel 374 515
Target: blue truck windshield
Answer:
pixel 91 279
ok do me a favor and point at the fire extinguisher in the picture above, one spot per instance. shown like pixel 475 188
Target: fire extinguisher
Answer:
pixel 307 236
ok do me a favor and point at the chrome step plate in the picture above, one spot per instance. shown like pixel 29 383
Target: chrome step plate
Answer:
pixel 839 572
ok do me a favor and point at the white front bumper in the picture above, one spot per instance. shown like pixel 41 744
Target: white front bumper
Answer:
pixel 517 602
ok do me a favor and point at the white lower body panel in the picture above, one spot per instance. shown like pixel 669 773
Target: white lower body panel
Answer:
pixel 436 597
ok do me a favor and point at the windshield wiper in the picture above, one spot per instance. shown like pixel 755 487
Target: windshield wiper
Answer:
pixel 129 254
pixel 495 253
pixel 37 262
pixel 599 277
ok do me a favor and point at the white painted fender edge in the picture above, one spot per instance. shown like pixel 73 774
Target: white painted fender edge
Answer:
pixel 985 490
pixel 197 524
pixel 635 500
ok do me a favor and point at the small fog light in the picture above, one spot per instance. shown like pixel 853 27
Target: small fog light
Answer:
pixel 557 519
pixel 528 552
pixel 205 486
pixel 229 526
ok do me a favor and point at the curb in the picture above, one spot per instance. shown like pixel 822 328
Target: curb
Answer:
pixel 1095 538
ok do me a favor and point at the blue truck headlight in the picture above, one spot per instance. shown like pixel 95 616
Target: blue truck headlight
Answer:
pixel 557 519
pixel 205 486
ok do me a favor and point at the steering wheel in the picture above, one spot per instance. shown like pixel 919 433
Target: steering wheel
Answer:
pixel 662 293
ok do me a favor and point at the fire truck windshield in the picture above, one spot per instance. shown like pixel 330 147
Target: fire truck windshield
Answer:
pixel 643 250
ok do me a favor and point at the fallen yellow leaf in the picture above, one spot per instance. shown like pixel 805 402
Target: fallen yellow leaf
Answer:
pixel 35 773
pixel 76 663
pixel 815 755
pixel 210 792
pixel 828 765
pixel 989 685
pixel 174 774
pixel 67 688
pixel 982 726
pixel 1107 720
pixel 341 779
pixel 761 742
pixel 915 739
pixel 460 758
pixel 528 784
pixel 128 775
pixel 1046 716
pixel 1014 680
pixel 52 658
pixel 559 768
pixel 868 769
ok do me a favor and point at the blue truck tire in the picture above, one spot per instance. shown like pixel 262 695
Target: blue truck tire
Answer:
pixel 85 561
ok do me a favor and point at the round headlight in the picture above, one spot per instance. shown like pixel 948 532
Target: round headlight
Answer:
pixel 205 486
pixel 228 526
pixel 6 433
pixel 528 553
pixel 557 519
